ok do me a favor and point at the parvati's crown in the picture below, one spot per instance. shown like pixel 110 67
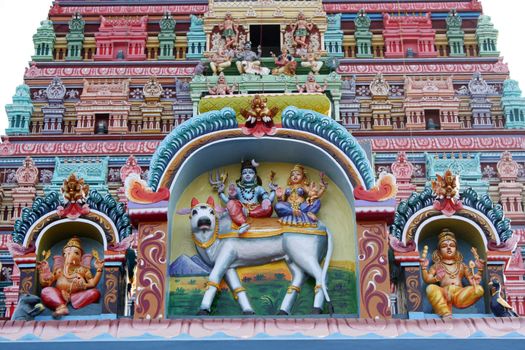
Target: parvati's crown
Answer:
pixel 298 168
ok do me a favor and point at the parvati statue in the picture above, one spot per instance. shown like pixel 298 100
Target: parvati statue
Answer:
pixel 445 288
pixel 72 279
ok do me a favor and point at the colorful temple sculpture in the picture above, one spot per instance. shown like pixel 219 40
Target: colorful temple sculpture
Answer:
pixel 314 173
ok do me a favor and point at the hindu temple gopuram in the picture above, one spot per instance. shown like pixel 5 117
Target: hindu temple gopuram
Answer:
pixel 323 174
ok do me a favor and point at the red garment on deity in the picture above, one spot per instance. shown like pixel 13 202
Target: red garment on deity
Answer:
pixel 52 298
pixel 235 209
pixel 259 128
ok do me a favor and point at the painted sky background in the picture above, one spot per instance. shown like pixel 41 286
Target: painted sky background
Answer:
pixel 19 20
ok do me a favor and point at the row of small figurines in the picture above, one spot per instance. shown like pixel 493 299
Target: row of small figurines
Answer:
pixel 221 88
pixel 247 61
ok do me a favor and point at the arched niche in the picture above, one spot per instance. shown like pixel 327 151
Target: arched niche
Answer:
pixel 63 230
pixel 96 224
pixel 278 155
pixel 481 224
pixel 53 238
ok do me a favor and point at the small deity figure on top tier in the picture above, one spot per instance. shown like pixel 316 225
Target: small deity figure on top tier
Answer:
pixel 72 278
pixel 285 63
pixel 446 188
pixel 311 85
pixel 259 118
pixel 220 60
pixel 312 60
pixel 249 62
pixel 301 30
pixel 229 31
pixel 247 198
pixel 300 202
pixel 221 88
pixel 444 278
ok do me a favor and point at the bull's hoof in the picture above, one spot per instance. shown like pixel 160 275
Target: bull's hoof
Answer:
pixel 248 312
pixel 316 311
pixel 203 312
pixel 282 313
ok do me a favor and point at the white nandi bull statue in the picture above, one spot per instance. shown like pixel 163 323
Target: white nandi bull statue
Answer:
pixel 301 251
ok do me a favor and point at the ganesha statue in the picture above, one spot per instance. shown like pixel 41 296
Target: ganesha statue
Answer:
pixel 71 280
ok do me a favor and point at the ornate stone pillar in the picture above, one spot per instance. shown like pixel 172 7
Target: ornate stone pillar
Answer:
pixel 374 276
pixel 510 191
pixel 412 274
pixel 515 283
pixel 152 268
pixel 374 209
pixel 11 293
pixel 26 177
pixel 403 171
pixel 152 108
pixel 114 287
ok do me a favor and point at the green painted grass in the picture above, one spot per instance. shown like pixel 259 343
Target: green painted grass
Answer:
pixel 265 293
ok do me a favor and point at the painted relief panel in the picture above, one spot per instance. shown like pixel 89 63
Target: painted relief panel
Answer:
pixel 315 101
pixel 274 287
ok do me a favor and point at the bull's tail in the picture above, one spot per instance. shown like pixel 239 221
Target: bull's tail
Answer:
pixel 329 251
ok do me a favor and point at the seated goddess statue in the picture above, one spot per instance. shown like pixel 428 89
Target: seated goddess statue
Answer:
pixel 299 203
pixel 285 63
pixel 445 288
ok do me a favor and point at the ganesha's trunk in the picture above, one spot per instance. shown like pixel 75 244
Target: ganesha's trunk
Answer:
pixel 69 261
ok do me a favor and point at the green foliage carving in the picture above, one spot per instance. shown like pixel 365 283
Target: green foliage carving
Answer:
pixel 197 126
pixel 116 211
pixel 409 207
pixel 469 198
pixel 332 131
pixel 43 205
pixel 492 211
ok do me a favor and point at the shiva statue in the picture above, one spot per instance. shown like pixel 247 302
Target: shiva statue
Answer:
pixel 285 63
pixel 444 278
pixel 299 203
pixel 247 198
pixel 72 278
pixel 249 62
